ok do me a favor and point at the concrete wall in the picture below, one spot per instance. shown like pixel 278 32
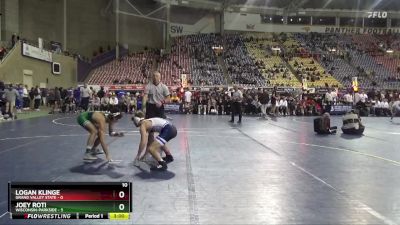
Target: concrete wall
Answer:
pixel 90 26
pixel 41 18
pixel 138 32
pixel 205 25
pixel 11 70
pixel 91 23
pixel 10 18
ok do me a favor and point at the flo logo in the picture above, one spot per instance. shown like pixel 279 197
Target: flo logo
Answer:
pixel 380 15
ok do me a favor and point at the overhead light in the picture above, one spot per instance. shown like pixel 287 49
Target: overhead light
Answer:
pixel 389 51
pixel 299 19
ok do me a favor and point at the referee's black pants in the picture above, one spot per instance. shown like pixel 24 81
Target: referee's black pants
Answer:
pixel 153 111
pixel 237 109
pixel 84 103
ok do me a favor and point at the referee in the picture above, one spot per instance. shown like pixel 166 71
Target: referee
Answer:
pixel 156 94
pixel 237 98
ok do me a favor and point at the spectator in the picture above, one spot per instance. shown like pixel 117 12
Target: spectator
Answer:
pixel 264 99
pixel 51 99
pixel 113 103
pixel 188 101
pixel 348 99
pixel 175 98
pixel 212 105
pixel 95 105
pixel 283 106
pixel 237 98
pixel 38 98
pixel 322 125
pixel 11 95
pixel 101 92
pixel 126 102
pixel 133 104
pixel 385 108
pixel 77 97
pixel 25 97
pixel 256 105
pixel 31 97
pixel 329 101
pixel 273 104
pixel 3 52
pixel 57 99
pixel 70 104
pixel 13 40
pixel 20 102
pixel 363 97
pixel 85 93
pixel 105 101
pixel 2 100
pixel 292 106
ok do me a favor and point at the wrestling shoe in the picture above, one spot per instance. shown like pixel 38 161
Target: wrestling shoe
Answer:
pixel 89 156
pixel 168 158
pixel 97 151
pixel 162 166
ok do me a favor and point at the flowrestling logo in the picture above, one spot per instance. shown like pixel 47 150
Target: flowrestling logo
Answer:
pixel 377 14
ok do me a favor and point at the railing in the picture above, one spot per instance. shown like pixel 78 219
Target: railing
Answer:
pixel 5 44
pixel 9 52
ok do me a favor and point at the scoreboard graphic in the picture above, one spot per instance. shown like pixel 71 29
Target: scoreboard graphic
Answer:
pixel 70 200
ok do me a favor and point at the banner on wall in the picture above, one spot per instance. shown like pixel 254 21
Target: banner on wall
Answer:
pixel 340 109
pixel 129 87
pixel 173 108
pixel 359 30
pixel 138 87
pixel 252 22
pixel 36 53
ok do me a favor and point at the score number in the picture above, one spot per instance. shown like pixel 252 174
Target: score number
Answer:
pixel 121 195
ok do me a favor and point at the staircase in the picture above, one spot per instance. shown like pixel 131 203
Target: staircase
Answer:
pixel 221 62
pixel 292 70
pixel 10 51
pixel 368 77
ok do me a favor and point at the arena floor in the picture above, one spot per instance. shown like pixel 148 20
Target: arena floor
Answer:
pixel 260 172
